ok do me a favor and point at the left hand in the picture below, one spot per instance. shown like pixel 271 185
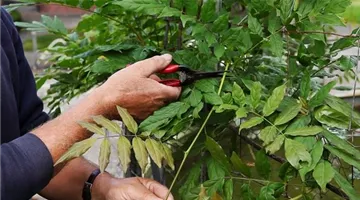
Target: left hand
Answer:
pixel 110 188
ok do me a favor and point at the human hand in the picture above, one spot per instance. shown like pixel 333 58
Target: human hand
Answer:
pixel 137 89
pixel 110 188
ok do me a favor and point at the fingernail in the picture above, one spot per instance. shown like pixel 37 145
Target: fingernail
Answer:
pixel 167 57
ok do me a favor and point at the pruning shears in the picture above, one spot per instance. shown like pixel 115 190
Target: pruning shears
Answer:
pixel 186 75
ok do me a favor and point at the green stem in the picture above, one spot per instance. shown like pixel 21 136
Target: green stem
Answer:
pixel 268 121
pixel 197 135
pixel 297 197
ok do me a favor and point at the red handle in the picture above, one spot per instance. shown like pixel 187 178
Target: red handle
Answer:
pixel 172 68
pixel 171 82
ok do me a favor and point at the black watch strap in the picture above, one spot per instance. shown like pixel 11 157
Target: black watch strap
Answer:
pixel 86 193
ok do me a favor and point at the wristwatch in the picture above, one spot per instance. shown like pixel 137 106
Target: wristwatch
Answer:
pixel 86 193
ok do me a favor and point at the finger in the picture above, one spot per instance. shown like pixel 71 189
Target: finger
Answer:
pixel 154 77
pixel 152 65
pixel 156 188
pixel 143 193
pixel 171 93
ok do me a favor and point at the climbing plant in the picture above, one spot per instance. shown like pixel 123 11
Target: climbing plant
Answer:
pixel 279 53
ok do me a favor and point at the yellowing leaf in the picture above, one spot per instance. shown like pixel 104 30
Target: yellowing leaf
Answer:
pixel 128 120
pixel 109 125
pixel 241 113
pixel 288 114
pixel 276 145
pixel 296 152
pixel 124 151
pixel 268 134
pixel 155 151
pixel 168 156
pixel 141 154
pixel 104 156
pixel 92 128
pixel 305 131
pixel 274 100
pixel 77 150
pixel 251 123
pixel 323 174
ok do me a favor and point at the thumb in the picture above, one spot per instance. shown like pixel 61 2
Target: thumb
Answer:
pixel 151 65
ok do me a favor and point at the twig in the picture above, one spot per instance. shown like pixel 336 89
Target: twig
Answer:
pixel 197 135
pixel 330 63
pixel 325 33
pixel 283 160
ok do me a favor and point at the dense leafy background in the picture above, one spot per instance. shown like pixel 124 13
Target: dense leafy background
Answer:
pixel 278 52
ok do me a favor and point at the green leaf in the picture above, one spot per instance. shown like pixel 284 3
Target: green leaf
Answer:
pixel 296 152
pixel 274 100
pixel 228 189
pixel 155 151
pixel 276 145
pixel 168 156
pixel 187 18
pixel 184 108
pixel 54 25
pixel 241 113
pixel 124 151
pixel 92 128
pixel 266 193
pixel 148 7
pixel 254 25
pixel 305 7
pixel 197 109
pixel 274 23
pixel 343 107
pixel 219 51
pixel 305 131
pixel 217 152
pixel 333 118
pixel 77 150
pixel 205 85
pixel 238 95
pixel 323 174
pixel 215 169
pixel 341 144
pixel 213 98
pixel 246 192
pixel 255 94
pixel 128 120
pixel 346 186
pixel 316 154
pixel 251 123
pixel 208 11
pixel 268 134
pixel 305 85
pixel 342 43
pixel 346 63
pixel 195 97
pixel 109 125
pixel 299 123
pixel 288 114
pixel 141 154
pixel 104 155
pixel 109 64
pixel 276 44
pixel 285 9
pixel 337 6
pixel 160 117
pixel 343 155
pixel 262 164
pixel 224 107
pixel 330 19
pixel 221 23
pixel 239 165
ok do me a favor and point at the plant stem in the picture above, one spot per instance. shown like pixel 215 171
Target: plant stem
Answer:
pixel 197 135
pixel 297 197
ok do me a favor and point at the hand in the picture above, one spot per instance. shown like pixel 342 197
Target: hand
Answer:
pixel 129 189
pixel 136 88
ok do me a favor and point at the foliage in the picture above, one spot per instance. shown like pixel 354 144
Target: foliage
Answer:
pixel 277 51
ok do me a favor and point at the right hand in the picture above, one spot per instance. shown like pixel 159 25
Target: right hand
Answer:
pixel 135 89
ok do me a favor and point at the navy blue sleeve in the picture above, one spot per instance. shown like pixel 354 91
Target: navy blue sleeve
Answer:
pixel 26 163
pixel 26 167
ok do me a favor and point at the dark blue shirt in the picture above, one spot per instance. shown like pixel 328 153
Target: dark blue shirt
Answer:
pixel 26 163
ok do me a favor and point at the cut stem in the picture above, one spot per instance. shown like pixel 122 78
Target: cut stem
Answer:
pixel 197 135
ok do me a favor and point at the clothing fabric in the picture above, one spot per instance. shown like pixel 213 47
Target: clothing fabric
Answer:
pixel 26 163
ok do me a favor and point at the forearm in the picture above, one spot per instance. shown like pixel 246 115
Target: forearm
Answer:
pixel 69 181
pixel 61 133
